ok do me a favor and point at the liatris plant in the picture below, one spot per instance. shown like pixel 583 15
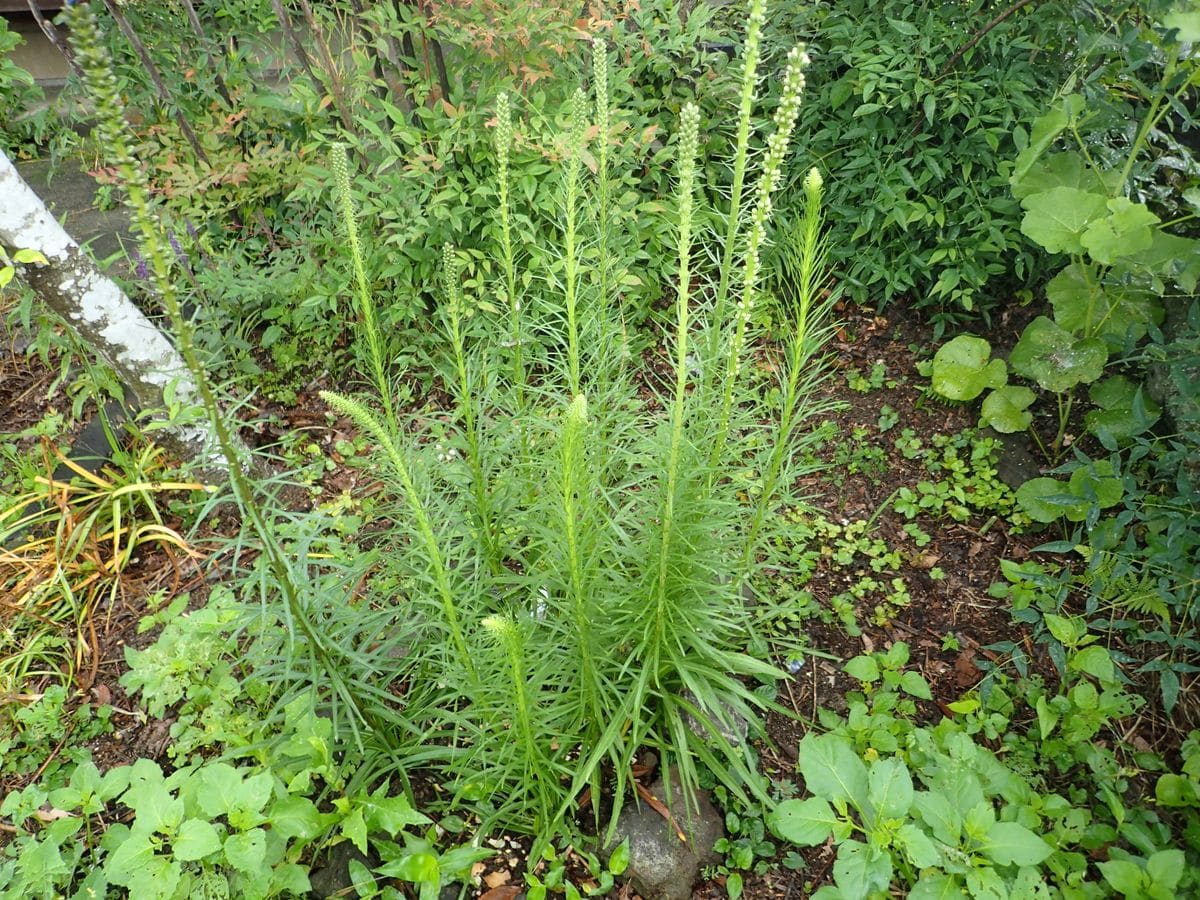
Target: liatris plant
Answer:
pixel 589 534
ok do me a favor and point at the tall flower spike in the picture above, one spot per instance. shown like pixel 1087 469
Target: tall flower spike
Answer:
pixel 600 79
pixel 504 132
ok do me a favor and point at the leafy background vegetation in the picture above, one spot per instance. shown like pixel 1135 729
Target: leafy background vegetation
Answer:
pixel 570 288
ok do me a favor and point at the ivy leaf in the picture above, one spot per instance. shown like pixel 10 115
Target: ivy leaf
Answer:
pixel 1176 791
pixel 1055 359
pixel 221 789
pixel 296 817
pixel 832 769
pixel 1006 409
pixel 805 823
pixel 1186 24
pixel 1096 661
pixel 391 814
pixel 936 811
pixel 1125 877
pixel 195 840
pixel 1010 844
pixel 861 869
pixel 891 788
pixel 1166 867
pixel 1172 256
pixel 1057 219
pixel 1083 305
pixel 416 867
pixel 1046 129
pixel 1125 230
pixel 1094 484
pixel 961 370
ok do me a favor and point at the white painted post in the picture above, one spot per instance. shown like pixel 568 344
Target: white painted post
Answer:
pixel 96 307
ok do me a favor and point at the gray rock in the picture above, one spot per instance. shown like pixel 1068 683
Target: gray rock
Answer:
pixel 661 867
pixel 729 722
pixel 333 879
pixel 1016 464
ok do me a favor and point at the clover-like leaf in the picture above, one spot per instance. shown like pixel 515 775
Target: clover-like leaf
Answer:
pixel 1125 230
pixel 1006 409
pixel 962 370
pixel 1122 411
pixel 1057 219
pixel 1052 357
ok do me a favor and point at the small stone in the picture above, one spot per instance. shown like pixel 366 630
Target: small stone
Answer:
pixel 662 867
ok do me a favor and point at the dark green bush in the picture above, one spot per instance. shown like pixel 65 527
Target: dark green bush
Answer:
pixel 918 141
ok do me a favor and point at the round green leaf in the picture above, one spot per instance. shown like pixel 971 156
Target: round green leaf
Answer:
pixel 1125 230
pixel 1122 412
pixel 1034 497
pixel 832 769
pixel 891 788
pixel 864 668
pixel 961 370
pixel 1006 409
pixel 1056 219
pixel 1053 357
pixel 1096 482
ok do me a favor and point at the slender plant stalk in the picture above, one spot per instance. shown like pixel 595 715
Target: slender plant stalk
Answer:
pixel 507 633
pixel 337 85
pixel 206 45
pixel 480 490
pixel 756 18
pixel 570 253
pixel 777 148
pixel 388 442
pixel 111 127
pixel 811 279
pixel 689 137
pixel 603 181
pixel 504 144
pixel 574 431
pixel 376 353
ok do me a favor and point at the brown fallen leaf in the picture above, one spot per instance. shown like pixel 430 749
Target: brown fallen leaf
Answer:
pixel 495 879
pixel 505 892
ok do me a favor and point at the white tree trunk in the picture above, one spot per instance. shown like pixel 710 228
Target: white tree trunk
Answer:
pixel 104 317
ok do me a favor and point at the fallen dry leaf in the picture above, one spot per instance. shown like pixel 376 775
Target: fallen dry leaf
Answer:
pixel 506 892
pixel 495 879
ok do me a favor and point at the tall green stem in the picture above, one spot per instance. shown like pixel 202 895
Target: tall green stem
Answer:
pixel 504 142
pixel 777 148
pixel 480 489
pixel 570 258
pixel 689 136
pixel 757 17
